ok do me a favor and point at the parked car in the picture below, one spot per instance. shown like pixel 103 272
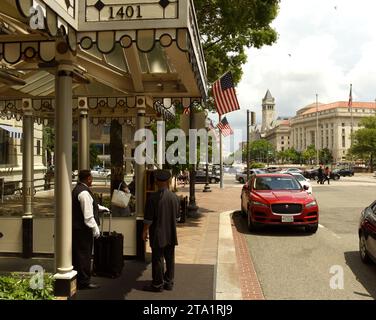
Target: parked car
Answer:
pixel 242 177
pixel 278 199
pixel 303 181
pixel 290 170
pixel 344 172
pixel 272 169
pixel 201 177
pixel 313 174
pixel 367 234
pixel 100 172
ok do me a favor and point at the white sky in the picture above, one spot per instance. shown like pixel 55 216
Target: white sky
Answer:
pixel 322 47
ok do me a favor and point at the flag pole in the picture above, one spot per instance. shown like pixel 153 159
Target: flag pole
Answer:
pixel 220 156
pixel 317 129
pixel 352 118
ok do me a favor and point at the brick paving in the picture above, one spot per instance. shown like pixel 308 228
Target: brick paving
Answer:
pixel 249 283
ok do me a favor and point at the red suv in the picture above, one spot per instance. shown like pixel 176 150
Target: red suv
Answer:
pixel 278 199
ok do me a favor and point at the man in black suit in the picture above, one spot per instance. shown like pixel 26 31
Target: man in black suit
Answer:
pixel 161 213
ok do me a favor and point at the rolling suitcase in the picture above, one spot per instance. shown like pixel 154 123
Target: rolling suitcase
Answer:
pixel 108 253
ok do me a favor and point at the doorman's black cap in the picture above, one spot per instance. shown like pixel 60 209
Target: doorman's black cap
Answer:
pixel 162 175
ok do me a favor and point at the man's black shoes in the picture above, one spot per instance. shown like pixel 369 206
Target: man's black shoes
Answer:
pixel 88 286
pixel 168 287
pixel 152 288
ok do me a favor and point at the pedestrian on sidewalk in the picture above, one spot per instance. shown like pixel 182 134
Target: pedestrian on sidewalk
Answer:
pixel 161 213
pixel 85 222
pixel 326 175
pixel 320 175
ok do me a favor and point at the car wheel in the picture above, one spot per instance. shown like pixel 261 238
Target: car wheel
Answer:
pixel 242 211
pixel 312 228
pixel 213 180
pixel 315 177
pixel 241 180
pixel 336 178
pixel 363 249
pixel 250 224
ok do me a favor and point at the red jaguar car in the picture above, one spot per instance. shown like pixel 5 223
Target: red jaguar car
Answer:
pixel 278 199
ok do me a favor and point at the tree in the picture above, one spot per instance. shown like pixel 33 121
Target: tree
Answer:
pixel 228 27
pixel 48 144
pixel 310 154
pixel 325 156
pixel 94 152
pixel 260 151
pixel 364 141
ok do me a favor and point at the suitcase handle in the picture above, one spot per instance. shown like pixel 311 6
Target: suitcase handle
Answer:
pixel 102 224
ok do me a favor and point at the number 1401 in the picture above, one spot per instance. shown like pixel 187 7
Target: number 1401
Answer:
pixel 125 12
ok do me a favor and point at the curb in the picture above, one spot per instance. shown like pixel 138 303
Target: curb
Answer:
pixel 227 282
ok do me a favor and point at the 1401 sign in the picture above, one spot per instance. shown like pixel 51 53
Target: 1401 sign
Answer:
pixel 125 12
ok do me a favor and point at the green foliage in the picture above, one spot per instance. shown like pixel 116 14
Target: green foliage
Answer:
pixel 290 156
pixel 228 27
pixel 17 287
pixel 310 153
pixel 256 165
pixel 260 150
pixel 94 152
pixel 364 140
pixel 48 142
pixel 325 156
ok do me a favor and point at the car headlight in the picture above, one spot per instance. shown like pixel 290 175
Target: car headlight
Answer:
pixel 311 204
pixel 257 203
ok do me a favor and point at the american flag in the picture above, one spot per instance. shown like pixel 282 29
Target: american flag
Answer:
pixel 225 95
pixel 212 128
pixel 225 128
pixel 186 110
pixel 350 97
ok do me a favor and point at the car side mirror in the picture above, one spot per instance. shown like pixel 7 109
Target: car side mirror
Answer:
pixel 305 188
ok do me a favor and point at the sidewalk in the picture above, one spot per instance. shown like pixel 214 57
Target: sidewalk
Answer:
pixel 209 265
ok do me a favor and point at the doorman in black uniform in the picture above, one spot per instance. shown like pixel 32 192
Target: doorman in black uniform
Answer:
pixel 85 222
pixel 161 213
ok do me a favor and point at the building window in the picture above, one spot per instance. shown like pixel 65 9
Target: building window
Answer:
pixel 282 142
pixel 106 129
pixel 4 147
pixel 343 142
pixel 283 148
pixel 38 148
pixel 343 124
pixel 343 131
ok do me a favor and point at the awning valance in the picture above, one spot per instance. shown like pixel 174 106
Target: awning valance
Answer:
pixel 13 131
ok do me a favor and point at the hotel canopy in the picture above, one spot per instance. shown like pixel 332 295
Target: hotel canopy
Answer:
pixel 66 61
pixel 121 49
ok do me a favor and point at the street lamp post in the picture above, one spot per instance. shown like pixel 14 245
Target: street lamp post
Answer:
pixel 207 186
pixel 192 207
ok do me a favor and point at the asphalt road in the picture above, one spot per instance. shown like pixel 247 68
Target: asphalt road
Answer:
pixel 293 265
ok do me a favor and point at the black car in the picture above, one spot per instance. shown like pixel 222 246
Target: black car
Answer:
pixel 367 234
pixel 201 177
pixel 344 172
pixel 314 174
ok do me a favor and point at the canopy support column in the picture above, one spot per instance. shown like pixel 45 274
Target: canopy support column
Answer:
pixel 65 277
pixel 83 135
pixel 140 183
pixel 27 179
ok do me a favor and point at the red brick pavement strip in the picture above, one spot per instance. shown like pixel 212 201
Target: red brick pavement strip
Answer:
pixel 249 283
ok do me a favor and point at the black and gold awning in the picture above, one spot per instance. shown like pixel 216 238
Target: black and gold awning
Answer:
pixel 149 47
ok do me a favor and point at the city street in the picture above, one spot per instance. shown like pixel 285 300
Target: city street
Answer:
pixel 293 265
